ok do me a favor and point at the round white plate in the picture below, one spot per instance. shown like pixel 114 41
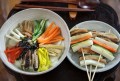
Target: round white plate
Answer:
pixel 98 26
pixel 33 14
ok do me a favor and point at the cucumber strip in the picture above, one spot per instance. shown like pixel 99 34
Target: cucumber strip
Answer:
pixel 102 51
pixel 76 47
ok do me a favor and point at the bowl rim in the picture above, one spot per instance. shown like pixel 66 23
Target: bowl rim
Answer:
pixel 97 71
pixel 50 69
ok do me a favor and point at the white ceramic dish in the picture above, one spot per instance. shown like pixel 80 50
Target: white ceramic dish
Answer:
pixel 98 26
pixel 32 14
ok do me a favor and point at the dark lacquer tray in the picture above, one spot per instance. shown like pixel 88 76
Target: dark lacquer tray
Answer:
pixel 66 71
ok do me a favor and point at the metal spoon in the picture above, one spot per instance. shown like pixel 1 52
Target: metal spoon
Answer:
pixel 87 4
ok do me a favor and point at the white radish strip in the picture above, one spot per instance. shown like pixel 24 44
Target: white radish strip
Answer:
pixel 19 33
pixel 92 62
pixel 103 52
pixel 76 47
pixel 8 36
pixel 111 44
pixel 81 36
pixel 16 35
pixel 95 68
pixel 85 64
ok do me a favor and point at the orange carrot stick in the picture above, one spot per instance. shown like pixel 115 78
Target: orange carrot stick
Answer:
pixel 56 39
pixel 51 36
pixel 104 45
pixel 52 30
pixel 47 30
pixel 80 39
pixel 47 33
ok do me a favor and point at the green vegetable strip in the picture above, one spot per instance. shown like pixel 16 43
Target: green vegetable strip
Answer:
pixel 37 27
pixel 42 29
pixel 43 59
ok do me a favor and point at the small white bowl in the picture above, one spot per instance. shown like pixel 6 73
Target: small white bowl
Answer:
pixel 98 26
pixel 32 14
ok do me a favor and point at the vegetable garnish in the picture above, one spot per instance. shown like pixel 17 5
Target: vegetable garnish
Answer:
pixel 44 60
pixel 53 50
pixel 94 43
pixel 104 45
pixel 51 35
pixel 34 45
pixel 13 53
pixel 17 35
pixel 102 51
pixel 39 29
pixel 79 38
pixel 77 46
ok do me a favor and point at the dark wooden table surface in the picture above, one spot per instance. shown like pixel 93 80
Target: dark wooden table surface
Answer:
pixel 113 75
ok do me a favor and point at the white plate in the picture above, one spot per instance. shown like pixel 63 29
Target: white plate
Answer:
pixel 98 26
pixel 32 14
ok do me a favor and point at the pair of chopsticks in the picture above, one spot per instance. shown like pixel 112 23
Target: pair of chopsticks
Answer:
pixel 90 76
pixel 25 6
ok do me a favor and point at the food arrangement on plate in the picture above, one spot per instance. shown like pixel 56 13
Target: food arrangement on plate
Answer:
pixel 35 45
pixel 93 44
pixel 94 41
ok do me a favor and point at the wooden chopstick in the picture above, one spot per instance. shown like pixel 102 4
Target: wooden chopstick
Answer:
pixel 24 6
pixel 52 1
pixel 90 71
pixel 95 68
pixel 85 65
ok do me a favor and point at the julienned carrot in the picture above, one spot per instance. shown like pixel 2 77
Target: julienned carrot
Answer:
pixel 81 39
pixel 104 45
pixel 55 28
pixel 47 33
pixel 51 35
pixel 58 38
pixel 47 30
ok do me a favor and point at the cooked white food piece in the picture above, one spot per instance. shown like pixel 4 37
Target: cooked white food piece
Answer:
pixel 92 62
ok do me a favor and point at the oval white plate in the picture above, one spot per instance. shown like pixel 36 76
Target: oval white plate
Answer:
pixel 98 26
pixel 32 14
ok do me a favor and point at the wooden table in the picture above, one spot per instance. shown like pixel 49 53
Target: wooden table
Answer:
pixel 5 74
